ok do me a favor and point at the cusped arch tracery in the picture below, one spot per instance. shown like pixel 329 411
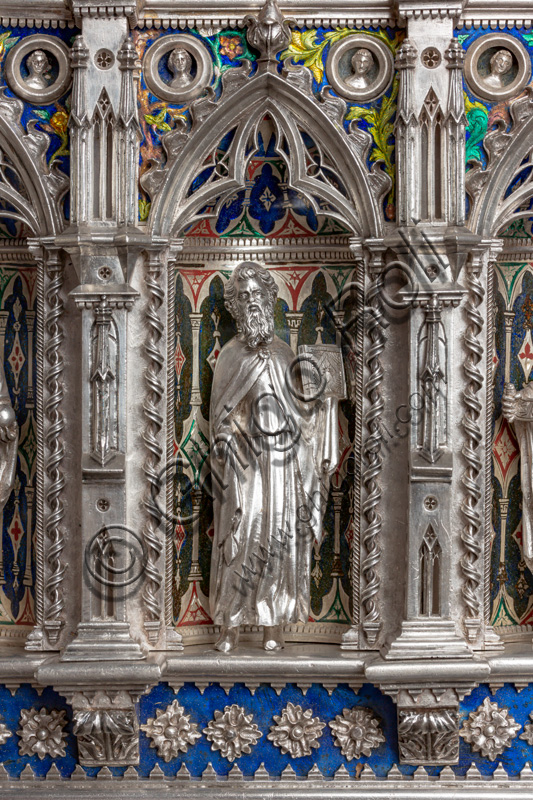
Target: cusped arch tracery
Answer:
pixel 503 192
pixel 30 190
pixel 322 162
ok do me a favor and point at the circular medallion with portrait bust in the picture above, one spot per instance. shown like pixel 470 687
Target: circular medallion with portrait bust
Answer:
pixel 497 67
pixel 38 69
pixel 359 67
pixel 177 68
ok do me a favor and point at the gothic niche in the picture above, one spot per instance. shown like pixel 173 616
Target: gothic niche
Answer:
pixel 104 397
pixel 264 220
pixel 430 553
pixel 103 158
pixel 431 123
pixel 512 365
pixel 432 431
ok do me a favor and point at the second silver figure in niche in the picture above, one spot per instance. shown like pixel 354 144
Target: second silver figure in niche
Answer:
pixel 273 450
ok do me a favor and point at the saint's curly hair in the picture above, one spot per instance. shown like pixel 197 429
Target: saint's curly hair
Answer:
pixel 249 269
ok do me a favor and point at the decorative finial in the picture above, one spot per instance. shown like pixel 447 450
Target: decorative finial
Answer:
pixel 269 33
pixel 79 53
pixel 455 55
pixel 127 55
pixel 406 55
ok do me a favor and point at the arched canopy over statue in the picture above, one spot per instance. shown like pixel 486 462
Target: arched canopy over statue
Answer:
pixel 274 444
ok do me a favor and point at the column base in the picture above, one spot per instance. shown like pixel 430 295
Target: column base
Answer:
pixel 350 640
pixel 172 639
pixel 35 640
pixel 103 641
pixel 492 641
pixel 428 638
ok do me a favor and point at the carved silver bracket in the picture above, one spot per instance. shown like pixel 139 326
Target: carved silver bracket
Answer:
pixel 428 711
pixel 106 725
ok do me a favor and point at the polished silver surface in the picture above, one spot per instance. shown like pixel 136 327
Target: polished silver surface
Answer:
pixel 420 560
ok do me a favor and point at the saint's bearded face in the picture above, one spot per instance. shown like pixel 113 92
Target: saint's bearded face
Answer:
pixel 254 313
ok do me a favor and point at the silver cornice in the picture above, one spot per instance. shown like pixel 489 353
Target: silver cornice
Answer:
pixel 316 787
pixel 306 13
pixel 298 663
pixel 513 250
pixel 492 14
pixel 428 9
pixel 203 249
pixel 36 13
pixel 15 251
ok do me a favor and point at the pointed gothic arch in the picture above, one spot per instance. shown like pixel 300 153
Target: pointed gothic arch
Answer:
pixel 357 204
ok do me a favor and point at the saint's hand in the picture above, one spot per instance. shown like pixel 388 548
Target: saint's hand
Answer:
pixel 509 402
pixel 8 424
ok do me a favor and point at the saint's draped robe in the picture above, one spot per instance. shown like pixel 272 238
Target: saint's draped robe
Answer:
pixel 524 434
pixel 271 455
pixel 8 448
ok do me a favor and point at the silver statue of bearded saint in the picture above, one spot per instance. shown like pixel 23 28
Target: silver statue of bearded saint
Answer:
pixel 273 450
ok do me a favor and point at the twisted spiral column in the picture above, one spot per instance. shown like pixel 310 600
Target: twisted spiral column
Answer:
pixel 373 462
pixel 472 530
pixel 153 408
pixel 359 391
pixel 34 641
pixel 169 544
pixel 491 639
pixel 489 403
pixel 55 451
